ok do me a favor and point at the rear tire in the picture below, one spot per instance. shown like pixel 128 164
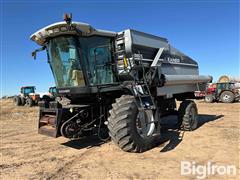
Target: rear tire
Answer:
pixel 227 97
pixel 208 98
pixel 188 115
pixel 17 101
pixel 122 125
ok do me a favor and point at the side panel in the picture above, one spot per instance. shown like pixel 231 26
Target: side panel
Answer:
pixel 179 69
pixel 144 40
pixel 178 89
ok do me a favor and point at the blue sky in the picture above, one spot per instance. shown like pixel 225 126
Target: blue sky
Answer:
pixel 207 31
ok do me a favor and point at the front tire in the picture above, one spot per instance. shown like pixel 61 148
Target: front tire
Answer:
pixel 46 98
pixel 208 98
pixel 188 115
pixel 123 128
pixel 29 102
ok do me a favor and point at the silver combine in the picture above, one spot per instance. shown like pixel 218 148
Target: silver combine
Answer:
pixel 116 82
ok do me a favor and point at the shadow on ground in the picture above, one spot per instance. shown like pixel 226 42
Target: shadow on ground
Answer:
pixel 86 142
pixel 174 136
pixel 170 134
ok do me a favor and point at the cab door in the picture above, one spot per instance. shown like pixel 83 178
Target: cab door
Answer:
pixel 103 73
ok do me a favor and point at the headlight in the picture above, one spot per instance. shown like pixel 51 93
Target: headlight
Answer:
pixel 56 30
pixel 50 31
pixel 63 28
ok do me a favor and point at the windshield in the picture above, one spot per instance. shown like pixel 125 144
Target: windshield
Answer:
pixel 53 90
pixel 65 62
pixel 70 57
pixel 28 90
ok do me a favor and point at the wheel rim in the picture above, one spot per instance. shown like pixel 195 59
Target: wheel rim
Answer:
pixel 193 116
pixel 27 102
pixel 226 97
pixel 145 123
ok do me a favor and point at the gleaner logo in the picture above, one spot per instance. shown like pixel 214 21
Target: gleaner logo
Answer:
pixel 64 91
pixel 173 60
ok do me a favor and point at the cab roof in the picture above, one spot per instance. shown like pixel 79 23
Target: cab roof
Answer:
pixel 28 87
pixel 62 28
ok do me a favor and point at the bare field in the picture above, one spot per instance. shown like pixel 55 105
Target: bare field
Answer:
pixel 28 155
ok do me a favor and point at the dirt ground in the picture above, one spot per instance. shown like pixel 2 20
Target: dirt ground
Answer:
pixel 28 155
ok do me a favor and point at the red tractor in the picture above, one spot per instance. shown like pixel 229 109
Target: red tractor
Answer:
pixel 225 92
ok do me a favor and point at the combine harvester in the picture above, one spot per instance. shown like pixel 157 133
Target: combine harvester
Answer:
pixel 120 82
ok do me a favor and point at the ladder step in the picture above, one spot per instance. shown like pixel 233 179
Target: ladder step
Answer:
pixel 121 41
pixel 143 96
pixel 120 38
pixel 121 51
pixel 148 108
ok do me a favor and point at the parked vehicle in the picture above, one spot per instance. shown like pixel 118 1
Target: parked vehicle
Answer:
pixel 120 82
pixel 225 92
pixel 199 94
pixel 27 97
pixel 52 94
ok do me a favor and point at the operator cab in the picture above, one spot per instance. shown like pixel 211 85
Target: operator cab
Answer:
pixel 225 85
pixel 52 91
pixel 80 61
pixel 80 56
pixel 27 90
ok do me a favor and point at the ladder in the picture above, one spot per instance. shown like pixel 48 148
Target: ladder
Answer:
pixel 141 89
pixel 120 50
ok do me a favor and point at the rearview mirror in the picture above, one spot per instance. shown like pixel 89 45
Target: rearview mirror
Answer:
pixel 34 54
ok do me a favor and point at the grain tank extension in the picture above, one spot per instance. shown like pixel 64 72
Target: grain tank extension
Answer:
pixel 116 83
